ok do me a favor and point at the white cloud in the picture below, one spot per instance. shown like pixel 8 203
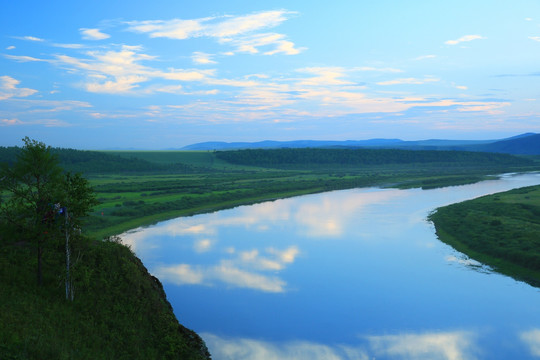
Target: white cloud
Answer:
pixel 31 38
pixel 535 38
pixel 69 46
pixel 93 34
pixel 238 31
pixel 10 47
pixel 324 76
pixel 465 38
pixel 9 89
pixel 201 58
pixel 532 339
pixel 22 58
pixel 122 72
pixel 251 44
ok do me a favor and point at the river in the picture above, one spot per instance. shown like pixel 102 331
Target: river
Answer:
pixel 351 274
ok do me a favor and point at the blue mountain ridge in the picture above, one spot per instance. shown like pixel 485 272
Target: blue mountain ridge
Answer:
pixel 527 143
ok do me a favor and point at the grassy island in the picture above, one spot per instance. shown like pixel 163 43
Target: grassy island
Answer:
pixel 500 230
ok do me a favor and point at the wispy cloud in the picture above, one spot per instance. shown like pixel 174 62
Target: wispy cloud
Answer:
pixel 10 122
pixel 239 31
pixel 424 57
pixel 9 88
pixel 247 349
pixel 457 345
pixel 93 34
pixel 30 38
pixel 201 58
pixel 535 38
pixel 409 81
pixel 121 71
pixel 465 38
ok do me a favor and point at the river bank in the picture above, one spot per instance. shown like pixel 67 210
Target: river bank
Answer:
pixel 500 230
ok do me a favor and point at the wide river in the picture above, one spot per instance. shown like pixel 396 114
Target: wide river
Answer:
pixel 352 274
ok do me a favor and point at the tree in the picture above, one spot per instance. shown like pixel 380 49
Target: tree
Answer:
pixel 37 190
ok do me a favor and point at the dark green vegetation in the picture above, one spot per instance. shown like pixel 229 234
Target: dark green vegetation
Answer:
pixel 217 180
pixel 119 310
pixel 93 299
pixel 501 230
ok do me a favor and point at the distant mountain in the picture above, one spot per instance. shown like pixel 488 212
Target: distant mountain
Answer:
pixel 268 144
pixel 527 144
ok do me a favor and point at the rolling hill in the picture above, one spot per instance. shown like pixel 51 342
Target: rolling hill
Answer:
pixel 523 144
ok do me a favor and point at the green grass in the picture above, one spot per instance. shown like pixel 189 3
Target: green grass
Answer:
pixel 119 310
pixel 501 230
pixel 132 200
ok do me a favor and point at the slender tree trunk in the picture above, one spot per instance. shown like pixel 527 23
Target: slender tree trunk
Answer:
pixel 39 274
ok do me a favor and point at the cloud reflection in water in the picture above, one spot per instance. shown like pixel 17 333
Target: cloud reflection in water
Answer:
pixel 456 345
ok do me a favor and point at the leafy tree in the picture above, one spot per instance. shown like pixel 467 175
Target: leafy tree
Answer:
pixel 38 193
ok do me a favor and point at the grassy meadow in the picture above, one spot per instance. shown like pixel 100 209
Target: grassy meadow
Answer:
pixel 501 230
pixel 191 182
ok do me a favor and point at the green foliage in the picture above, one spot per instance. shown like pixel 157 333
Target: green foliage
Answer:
pixel 502 230
pixel 291 158
pixel 37 192
pixel 120 311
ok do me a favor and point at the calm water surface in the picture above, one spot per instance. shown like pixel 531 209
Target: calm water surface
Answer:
pixel 353 274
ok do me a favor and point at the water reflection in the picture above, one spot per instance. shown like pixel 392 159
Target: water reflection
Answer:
pixel 532 339
pixel 245 270
pixel 325 268
pixel 454 345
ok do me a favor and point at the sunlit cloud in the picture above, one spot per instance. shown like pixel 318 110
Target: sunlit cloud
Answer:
pixel 11 47
pixel 238 31
pixel 535 38
pixel 465 38
pixel 201 58
pixel 122 71
pixel 324 76
pixel 251 44
pixel 457 345
pixel 10 122
pixel 93 34
pixel 9 88
pixel 532 339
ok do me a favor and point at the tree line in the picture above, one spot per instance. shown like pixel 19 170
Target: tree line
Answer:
pixel 302 157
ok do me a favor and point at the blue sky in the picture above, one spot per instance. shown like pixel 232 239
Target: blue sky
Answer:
pixel 165 74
